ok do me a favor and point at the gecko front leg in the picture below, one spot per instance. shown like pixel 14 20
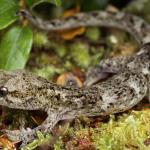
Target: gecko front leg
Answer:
pixel 106 68
pixel 27 135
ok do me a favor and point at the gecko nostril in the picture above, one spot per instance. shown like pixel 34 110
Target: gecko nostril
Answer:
pixel 3 91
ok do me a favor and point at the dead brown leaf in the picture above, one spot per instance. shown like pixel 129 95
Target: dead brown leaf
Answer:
pixel 71 33
pixel 71 12
pixel 5 143
pixel 69 79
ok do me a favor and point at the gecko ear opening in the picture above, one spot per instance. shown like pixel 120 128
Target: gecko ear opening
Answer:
pixel 3 91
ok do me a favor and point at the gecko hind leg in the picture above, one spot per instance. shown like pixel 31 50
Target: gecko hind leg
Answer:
pixel 27 135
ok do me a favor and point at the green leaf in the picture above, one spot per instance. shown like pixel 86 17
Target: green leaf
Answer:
pixel 33 3
pixel 15 47
pixel 8 9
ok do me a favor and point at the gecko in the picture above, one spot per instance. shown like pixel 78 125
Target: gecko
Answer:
pixel 20 89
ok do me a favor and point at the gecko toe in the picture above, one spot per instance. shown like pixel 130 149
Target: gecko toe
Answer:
pixel 13 135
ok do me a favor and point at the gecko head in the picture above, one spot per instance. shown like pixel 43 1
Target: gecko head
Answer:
pixel 4 92
pixel 14 88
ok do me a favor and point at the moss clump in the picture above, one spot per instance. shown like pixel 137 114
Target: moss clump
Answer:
pixel 128 132
pixel 40 39
pixel 48 71
pixel 59 144
pixel 93 33
pixel 80 54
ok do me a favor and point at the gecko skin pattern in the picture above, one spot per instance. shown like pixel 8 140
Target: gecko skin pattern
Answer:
pixel 24 90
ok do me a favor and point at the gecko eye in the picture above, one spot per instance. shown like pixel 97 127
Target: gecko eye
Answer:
pixel 3 91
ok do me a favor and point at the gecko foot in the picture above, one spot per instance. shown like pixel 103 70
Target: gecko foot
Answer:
pixel 24 135
pixel 13 135
pixel 97 74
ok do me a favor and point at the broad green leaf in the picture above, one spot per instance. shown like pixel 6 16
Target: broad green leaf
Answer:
pixel 15 47
pixel 33 3
pixel 8 9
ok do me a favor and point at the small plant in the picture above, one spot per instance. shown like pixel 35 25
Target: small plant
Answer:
pixel 17 38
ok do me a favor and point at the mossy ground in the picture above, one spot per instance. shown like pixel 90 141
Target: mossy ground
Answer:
pixel 128 131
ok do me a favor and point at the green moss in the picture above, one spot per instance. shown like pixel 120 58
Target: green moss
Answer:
pixel 128 132
pixel 40 39
pixel 93 33
pixel 80 54
pixel 48 71
pixel 59 144
pixel 61 50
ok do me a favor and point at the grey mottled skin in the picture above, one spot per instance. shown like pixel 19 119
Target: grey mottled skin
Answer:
pixel 23 90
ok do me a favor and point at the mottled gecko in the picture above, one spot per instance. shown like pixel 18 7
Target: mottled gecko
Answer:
pixel 23 90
